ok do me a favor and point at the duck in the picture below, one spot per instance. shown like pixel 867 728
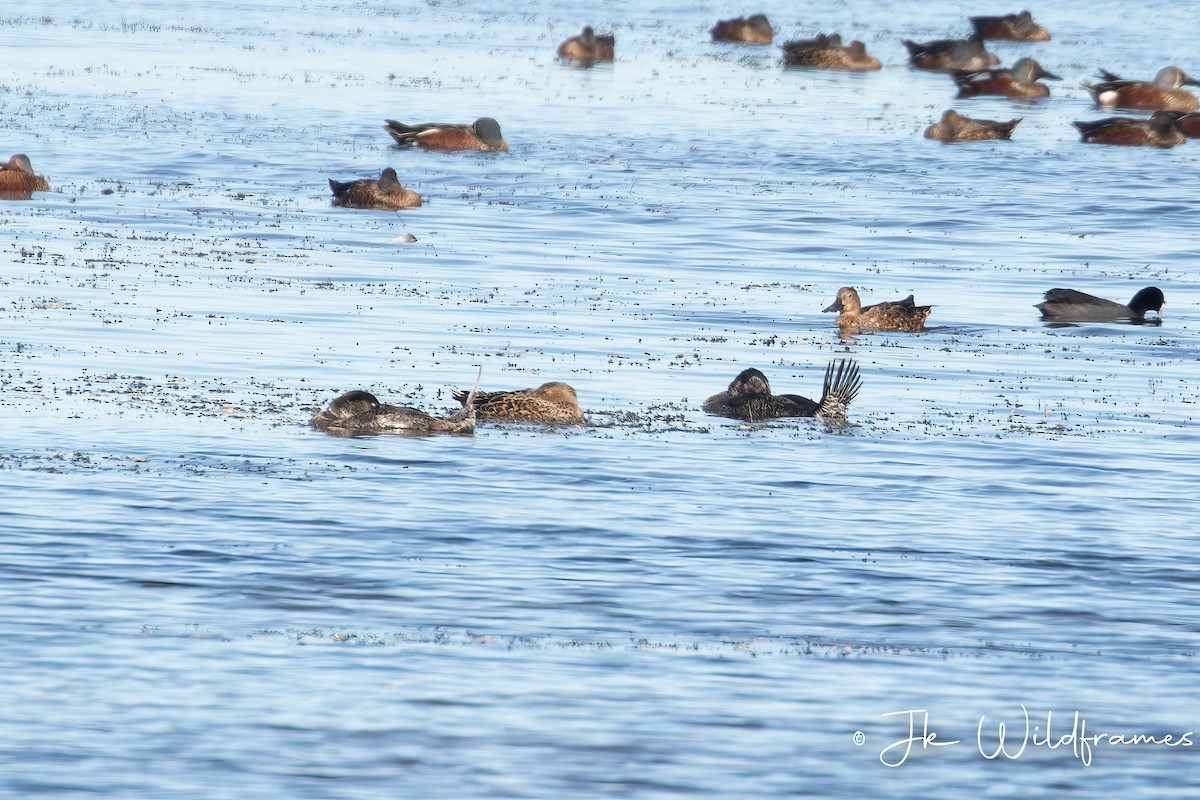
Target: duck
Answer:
pixel 897 315
pixel 17 178
pixel 483 134
pixel 553 403
pixel 827 52
pixel 1161 130
pixel 1011 27
pixel 359 413
pixel 1020 81
pixel 749 397
pixel 1070 305
pixel 384 194
pixel 588 47
pixel 946 55
pixel 755 29
pixel 953 127
pixel 1161 94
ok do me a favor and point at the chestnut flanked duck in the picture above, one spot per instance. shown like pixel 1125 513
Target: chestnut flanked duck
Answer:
pixel 1011 27
pixel 1161 94
pixel 386 193
pixel 1020 81
pixel 896 315
pixel 954 127
pixel 947 55
pixel 359 413
pixel 588 47
pixel 17 178
pixel 755 29
pixel 483 134
pixel 827 52
pixel 749 397
pixel 1161 130
pixel 553 403
pixel 1070 305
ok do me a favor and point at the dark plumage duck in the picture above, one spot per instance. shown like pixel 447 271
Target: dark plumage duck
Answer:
pixel 552 403
pixel 1069 305
pixel 749 397
pixel 898 315
pixel 588 47
pixel 384 194
pixel 1012 27
pixel 744 30
pixel 17 178
pixel 1161 130
pixel 1020 81
pixel 827 52
pixel 946 55
pixel 483 134
pixel 1161 94
pixel 359 413
pixel 953 127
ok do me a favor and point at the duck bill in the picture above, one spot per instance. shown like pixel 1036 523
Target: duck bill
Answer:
pixel 1048 75
pixel 836 305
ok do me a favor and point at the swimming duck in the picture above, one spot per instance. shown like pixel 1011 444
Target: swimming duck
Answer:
pixel 17 178
pixel 954 127
pixel 1020 81
pixel 749 397
pixel 360 413
pixel 385 193
pixel 946 55
pixel 1012 27
pixel 898 315
pixel 483 134
pixel 1163 94
pixel 588 47
pixel 553 403
pixel 1161 130
pixel 827 52
pixel 744 30
pixel 1069 305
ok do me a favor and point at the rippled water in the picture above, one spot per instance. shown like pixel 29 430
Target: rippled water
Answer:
pixel 205 597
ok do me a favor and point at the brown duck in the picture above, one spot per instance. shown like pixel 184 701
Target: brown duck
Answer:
pixel 953 127
pixel 898 315
pixel 1011 27
pixel 588 47
pixel 946 55
pixel 1020 81
pixel 1161 94
pixel 482 134
pixel 827 52
pixel 384 194
pixel 553 403
pixel 744 30
pixel 1161 130
pixel 17 179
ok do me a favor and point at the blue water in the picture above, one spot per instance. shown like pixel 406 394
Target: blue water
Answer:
pixel 205 598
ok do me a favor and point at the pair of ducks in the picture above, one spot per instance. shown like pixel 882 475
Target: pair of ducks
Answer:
pixel 385 192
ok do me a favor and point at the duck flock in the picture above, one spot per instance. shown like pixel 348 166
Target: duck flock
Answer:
pixel 975 72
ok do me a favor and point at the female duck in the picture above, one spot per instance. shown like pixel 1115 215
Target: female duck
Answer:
pixel 895 315
pixel 553 403
pixel 18 179
pixel 827 52
pixel 954 127
pixel 749 397
pixel 383 194
pixel 1069 305
pixel 744 30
